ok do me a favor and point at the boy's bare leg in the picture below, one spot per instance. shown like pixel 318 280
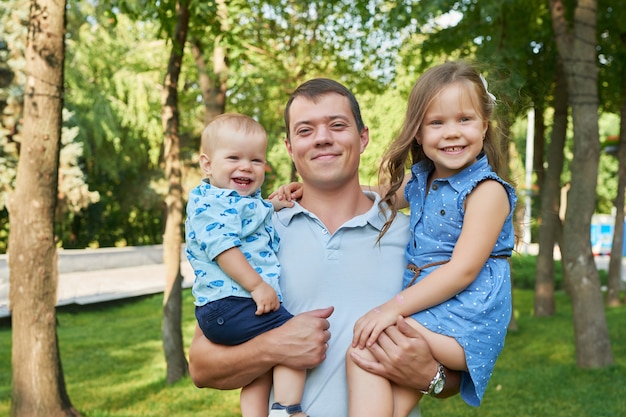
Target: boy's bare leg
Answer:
pixel 289 386
pixel 254 398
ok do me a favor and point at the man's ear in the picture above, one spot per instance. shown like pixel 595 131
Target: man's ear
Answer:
pixel 365 138
pixel 288 146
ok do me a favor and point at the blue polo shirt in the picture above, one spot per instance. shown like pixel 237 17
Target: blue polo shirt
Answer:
pixel 346 269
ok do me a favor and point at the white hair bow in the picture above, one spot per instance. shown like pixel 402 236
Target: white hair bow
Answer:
pixel 491 96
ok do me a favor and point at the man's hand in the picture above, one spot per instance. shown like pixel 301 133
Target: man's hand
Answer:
pixel 404 357
pixel 304 339
pixel 300 343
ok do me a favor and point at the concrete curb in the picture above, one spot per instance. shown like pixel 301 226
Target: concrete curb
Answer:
pixel 97 275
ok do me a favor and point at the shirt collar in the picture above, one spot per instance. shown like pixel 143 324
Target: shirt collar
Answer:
pixel 224 192
pixel 373 216
pixel 457 181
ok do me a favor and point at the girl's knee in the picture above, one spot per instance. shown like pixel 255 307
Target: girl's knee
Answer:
pixel 348 354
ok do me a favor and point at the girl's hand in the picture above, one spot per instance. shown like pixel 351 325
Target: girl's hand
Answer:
pixel 371 325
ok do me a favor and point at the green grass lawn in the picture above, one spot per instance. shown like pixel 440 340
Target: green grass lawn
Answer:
pixel 114 367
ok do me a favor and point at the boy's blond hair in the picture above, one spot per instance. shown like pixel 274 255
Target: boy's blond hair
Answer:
pixel 234 121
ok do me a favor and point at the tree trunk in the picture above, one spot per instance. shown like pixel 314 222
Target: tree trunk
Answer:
pixel 578 53
pixel 505 146
pixel 539 145
pixel 550 228
pixel 214 87
pixel 615 262
pixel 38 385
pixel 177 366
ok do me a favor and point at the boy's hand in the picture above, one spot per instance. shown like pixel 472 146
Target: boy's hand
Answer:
pixel 280 204
pixel 288 192
pixel 265 298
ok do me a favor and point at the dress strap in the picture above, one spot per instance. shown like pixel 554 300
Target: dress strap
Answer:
pixel 417 270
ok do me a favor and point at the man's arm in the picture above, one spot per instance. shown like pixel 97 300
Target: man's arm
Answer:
pixel 300 343
pixel 403 356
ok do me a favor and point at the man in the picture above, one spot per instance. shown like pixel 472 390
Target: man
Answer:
pixel 333 268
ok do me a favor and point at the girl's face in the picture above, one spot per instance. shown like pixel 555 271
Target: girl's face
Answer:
pixel 452 131
pixel 236 161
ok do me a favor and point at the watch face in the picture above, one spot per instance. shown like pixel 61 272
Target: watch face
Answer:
pixel 439 386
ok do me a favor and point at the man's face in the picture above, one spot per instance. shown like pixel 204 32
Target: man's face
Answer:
pixel 325 144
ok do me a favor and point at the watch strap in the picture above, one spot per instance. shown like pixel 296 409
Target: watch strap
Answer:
pixel 433 383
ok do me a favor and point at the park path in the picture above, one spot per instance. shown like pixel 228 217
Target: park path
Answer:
pixel 94 276
pixel 98 275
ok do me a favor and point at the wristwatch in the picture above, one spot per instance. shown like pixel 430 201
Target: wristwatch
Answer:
pixel 438 382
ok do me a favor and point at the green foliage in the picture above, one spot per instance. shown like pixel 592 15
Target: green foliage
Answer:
pixel 609 165
pixel 116 57
pixel 13 16
pixel 274 46
pixel 384 114
pixel 114 76
pixel 611 54
pixel 523 271
pixel 607 175
pixel 114 366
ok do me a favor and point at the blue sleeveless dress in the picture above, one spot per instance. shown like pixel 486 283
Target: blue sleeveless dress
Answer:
pixel 477 317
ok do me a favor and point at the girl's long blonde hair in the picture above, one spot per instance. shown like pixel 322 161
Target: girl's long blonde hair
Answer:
pixel 404 151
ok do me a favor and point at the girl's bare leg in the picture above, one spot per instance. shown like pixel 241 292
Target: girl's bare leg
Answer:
pixel 444 348
pixel 404 400
pixel 372 395
pixel 368 394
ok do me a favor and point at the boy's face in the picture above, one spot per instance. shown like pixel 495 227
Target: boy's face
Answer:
pixel 236 161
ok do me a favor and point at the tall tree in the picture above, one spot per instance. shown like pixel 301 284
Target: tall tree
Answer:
pixel 576 44
pixel 551 228
pixel 617 246
pixel 177 365
pixel 38 387
pixel 612 73
pixel 213 79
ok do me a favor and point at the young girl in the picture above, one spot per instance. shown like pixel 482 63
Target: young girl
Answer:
pixel 457 290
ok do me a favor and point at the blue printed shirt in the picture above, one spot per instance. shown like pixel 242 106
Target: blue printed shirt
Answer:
pixel 220 219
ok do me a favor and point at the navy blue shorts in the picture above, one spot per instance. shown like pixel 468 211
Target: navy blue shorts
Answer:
pixel 231 320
